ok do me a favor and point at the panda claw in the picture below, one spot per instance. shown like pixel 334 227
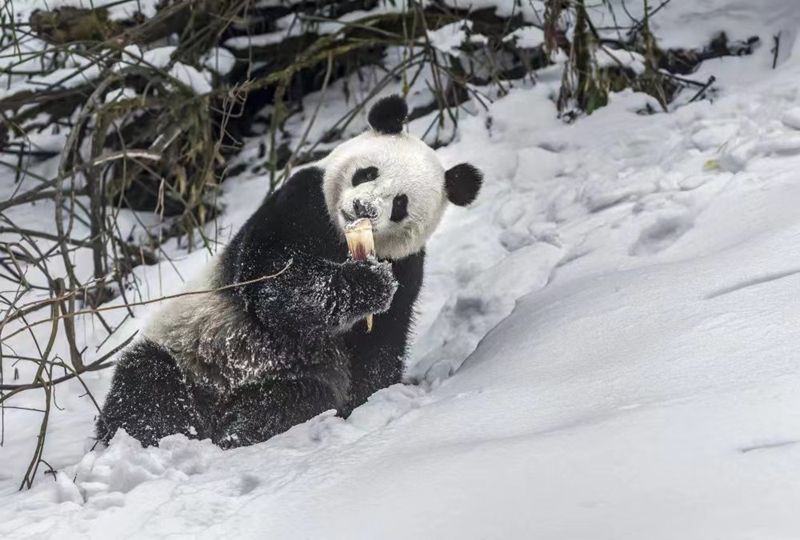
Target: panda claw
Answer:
pixel 374 284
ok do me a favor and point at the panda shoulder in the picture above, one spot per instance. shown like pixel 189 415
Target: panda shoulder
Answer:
pixel 303 186
pixel 307 177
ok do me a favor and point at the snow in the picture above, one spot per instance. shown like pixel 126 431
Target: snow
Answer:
pixel 450 37
pixel 607 346
pixel 68 77
pixel 526 37
pixel 219 60
pixel 288 25
pixel 609 58
pixel 293 25
pixel 84 69
pixel 531 11
pixel 686 24
pixel 161 58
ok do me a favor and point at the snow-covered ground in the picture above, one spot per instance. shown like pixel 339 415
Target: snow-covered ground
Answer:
pixel 608 347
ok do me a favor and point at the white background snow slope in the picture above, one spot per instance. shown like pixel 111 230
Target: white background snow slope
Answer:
pixel 608 349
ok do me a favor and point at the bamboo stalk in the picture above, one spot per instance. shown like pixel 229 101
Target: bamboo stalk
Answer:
pixel 361 244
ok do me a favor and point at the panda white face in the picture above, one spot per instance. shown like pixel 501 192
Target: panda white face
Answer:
pixel 395 180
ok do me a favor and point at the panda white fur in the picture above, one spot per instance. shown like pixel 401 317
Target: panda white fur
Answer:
pixel 242 364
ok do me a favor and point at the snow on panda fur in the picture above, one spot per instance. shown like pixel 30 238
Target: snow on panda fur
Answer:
pixel 243 364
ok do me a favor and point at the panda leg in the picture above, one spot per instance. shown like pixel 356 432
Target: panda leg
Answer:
pixel 149 398
pixel 258 411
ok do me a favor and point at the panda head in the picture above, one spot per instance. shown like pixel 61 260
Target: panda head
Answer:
pixel 395 180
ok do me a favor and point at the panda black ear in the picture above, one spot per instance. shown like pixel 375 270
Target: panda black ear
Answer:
pixel 462 182
pixel 388 114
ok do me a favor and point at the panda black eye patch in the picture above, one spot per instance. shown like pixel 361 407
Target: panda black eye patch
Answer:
pixel 399 208
pixel 367 174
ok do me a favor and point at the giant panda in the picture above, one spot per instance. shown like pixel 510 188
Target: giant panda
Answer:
pixel 257 356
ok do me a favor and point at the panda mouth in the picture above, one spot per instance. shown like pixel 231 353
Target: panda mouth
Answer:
pixel 349 218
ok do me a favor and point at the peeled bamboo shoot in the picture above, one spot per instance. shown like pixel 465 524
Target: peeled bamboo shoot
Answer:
pixel 361 244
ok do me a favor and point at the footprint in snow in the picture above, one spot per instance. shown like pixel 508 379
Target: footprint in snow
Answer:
pixel 661 234
pixel 247 483
pixel 780 144
pixel 740 151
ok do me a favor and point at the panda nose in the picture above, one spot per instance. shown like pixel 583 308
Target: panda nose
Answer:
pixel 364 209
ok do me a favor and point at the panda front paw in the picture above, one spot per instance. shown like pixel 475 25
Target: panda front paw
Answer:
pixel 372 283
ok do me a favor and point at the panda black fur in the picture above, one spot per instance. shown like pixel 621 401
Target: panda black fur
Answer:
pixel 247 362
